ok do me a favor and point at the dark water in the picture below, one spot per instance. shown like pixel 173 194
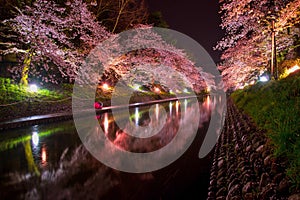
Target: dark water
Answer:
pixel 50 162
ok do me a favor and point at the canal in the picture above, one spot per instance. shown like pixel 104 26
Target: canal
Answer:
pixel 49 161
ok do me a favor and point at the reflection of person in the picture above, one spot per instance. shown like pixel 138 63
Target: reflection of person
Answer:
pixel 98 105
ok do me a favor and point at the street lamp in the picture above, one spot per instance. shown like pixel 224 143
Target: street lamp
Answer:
pixel 264 78
pixel 272 17
pixel 156 90
pixel 33 88
pixel 105 86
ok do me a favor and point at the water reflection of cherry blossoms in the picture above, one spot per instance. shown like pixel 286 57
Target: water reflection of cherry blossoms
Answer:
pixel 82 176
pixel 152 117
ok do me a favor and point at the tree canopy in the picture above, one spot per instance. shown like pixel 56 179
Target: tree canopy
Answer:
pixel 52 38
pixel 247 44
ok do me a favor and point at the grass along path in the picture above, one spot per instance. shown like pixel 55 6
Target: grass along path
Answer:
pixel 17 101
pixel 275 107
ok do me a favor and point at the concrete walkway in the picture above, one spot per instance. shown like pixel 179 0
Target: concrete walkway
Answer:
pixel 39 119
pixel 36 119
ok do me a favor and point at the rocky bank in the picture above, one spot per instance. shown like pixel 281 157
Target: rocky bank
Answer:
pixel 244 166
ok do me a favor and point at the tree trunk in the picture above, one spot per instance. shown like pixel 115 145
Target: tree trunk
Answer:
pixel 122 4
pixel 117 20
pixel 25 70
pixel 32 167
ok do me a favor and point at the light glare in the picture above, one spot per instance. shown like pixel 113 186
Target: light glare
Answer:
pixel 137 116
pixel 105 86
pixel 33 88
pixel 136 87
pixel 157 90
pixel 293 69
pixel 263 79
pixel 35 138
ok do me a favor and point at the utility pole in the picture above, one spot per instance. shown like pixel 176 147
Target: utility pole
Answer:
pixel 274 69
pixel 272 17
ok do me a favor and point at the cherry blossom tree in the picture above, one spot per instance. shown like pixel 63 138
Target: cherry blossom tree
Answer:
pixel 148 66
pixel 53 40
pixel 141 57
pixel 247 44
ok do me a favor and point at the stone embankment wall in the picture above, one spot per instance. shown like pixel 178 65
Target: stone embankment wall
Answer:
pixel 243 166
pixel 33 120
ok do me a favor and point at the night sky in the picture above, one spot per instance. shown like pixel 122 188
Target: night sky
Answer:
pixel 199 19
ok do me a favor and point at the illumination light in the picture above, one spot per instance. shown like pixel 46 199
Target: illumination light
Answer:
pixel 105 86
pixel 185 105
pixel 157 90
pixel 177 107
pixel 207 103
pixel 35 138
pixel 156 111
pixel 178 92
pixel 44 155
pixel 136 87
pixel 263 78
pixel 106 123
pixel 33 88
pixel 137 116
pixel 293 69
